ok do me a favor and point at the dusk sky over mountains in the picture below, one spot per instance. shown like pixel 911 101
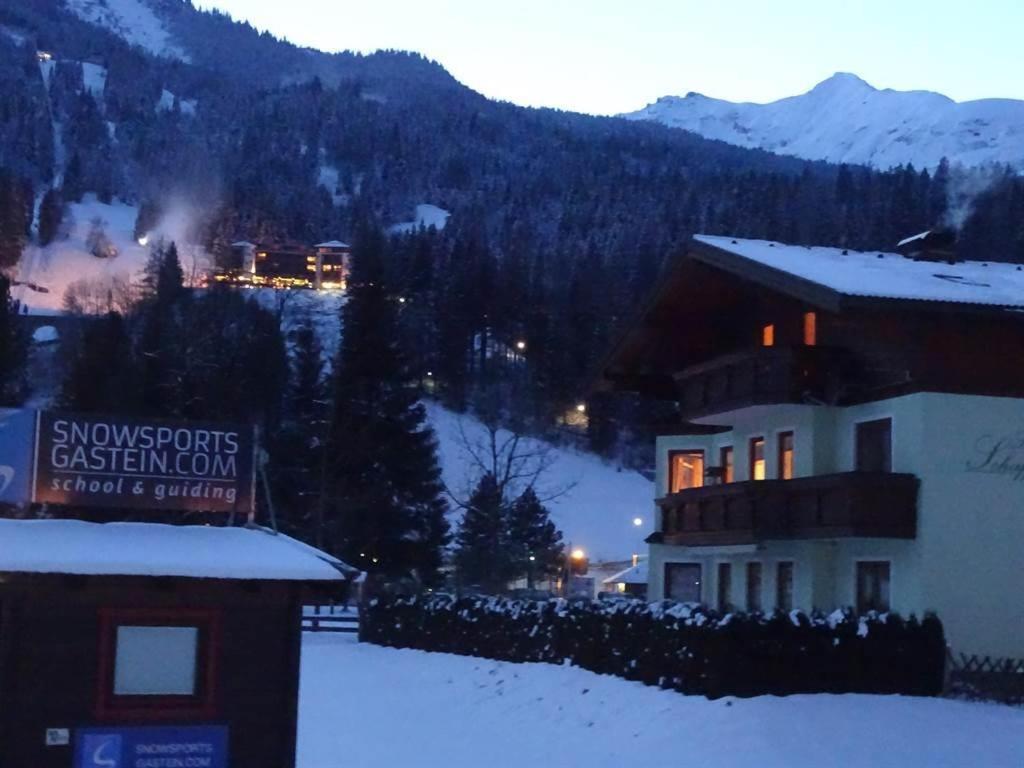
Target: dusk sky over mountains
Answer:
pixel 606 57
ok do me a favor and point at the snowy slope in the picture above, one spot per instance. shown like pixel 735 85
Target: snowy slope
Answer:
pixel 597 513
pixel 363 706
pixel 427 216
pixel 132 20
pixel 63 262
pixel 845 120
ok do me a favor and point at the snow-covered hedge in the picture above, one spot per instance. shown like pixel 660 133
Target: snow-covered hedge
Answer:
pixel 684 647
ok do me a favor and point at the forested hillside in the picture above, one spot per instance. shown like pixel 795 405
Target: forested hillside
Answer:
pixel 559 222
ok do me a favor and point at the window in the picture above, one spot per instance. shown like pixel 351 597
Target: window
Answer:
pixel 157 663
pixel 784 586
pixel 683 582
pixel 753 586
pixel 686 470
pixel 135 649
pixel 726 462
pixel 872 586
pixel 874 446
pixel 810 329
pixel 724 587
pixel 768 335
pixel 785 456
pixel 757 465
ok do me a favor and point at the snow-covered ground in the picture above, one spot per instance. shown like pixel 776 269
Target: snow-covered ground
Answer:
pixel 132 20
pixel 845 120
pixel 65 261
pixel 363 706
pixel 598 510
pixel 426 216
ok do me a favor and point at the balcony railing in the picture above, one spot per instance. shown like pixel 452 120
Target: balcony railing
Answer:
pixel 870 504
pixel 761 376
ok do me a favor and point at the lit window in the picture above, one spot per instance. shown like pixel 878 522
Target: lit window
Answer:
pixel 757 464
pixel 872 586
pixel 785 455
pixel 810 329
pixel 768 335
pixel 686 470
pixel 726 461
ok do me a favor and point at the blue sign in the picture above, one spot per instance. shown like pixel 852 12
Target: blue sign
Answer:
pixel 203 746
pixel 17 443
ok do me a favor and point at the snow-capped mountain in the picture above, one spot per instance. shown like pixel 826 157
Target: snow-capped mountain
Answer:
pixel 845 120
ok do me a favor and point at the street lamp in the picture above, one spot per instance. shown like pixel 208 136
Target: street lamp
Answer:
pixel 578 554
pixel 521 345
pixel 638 521
pixel 581 407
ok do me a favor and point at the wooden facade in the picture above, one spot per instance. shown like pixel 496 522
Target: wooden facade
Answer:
pixel 700 342
pixel 848 504
pixel 55 661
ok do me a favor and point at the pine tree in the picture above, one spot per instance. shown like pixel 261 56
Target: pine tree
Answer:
pixel 51 213
pixel 482 555
pixel 387 513
pixel 102 376
pixel 534 542
pixel 13 349
pixel 13 223
pixel 298 471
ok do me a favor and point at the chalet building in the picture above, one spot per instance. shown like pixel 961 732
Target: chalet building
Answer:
pixel 323 266
pixel 850 432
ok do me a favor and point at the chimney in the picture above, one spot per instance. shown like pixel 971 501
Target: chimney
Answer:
pixel 930 245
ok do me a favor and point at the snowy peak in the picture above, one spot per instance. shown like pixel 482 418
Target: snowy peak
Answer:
pixel 135 21
pixel 846 120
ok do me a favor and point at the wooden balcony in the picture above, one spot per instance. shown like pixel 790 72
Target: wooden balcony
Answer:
pixel 762 376
pixel 870 504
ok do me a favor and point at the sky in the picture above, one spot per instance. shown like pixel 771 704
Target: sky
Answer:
pixel 610 56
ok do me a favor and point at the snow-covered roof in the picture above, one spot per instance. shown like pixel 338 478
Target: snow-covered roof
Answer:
pixel 243 244
pixel 332 244
pixel 636 574
pixel 884 275
pixel 151 549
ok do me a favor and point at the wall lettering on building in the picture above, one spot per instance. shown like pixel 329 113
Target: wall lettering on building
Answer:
pixel 116 462
pixel 999 455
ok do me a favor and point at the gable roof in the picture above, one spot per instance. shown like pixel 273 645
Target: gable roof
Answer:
pixel 152 549
pixel 831 277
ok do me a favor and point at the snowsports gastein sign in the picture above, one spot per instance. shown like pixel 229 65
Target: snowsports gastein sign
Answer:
pixel 106 461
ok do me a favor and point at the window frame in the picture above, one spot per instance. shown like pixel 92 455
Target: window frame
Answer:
pixel 728 468
pixel 683 563
pixel 779 564
pixel 760 586
pixel 201 704
pixel 670 474
pixel 856 582
pixel 810 329
pixel 750 456
pixel 779 437
pixel 857 424
pixel 726 605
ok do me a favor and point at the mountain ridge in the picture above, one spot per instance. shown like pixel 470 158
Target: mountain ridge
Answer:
pixel 844 119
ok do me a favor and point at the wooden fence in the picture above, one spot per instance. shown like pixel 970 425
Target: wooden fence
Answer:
pixel 983 677
pixel 330 618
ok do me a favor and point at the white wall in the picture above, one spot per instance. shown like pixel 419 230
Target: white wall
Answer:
pixel 967 561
